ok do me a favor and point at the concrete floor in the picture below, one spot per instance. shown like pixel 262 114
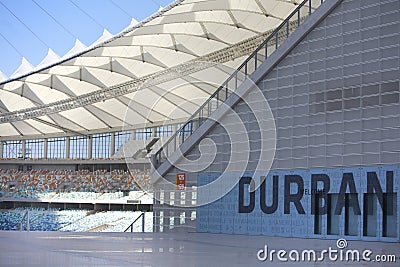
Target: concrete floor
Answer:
pixel 163 249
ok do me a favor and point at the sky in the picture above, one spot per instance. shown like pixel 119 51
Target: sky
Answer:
pixel 28 28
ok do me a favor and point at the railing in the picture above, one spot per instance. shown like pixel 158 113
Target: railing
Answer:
pixel 266 48
pixel 131 225
pixel 21 223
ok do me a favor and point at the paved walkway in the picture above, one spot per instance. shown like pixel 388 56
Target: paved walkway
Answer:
pixel 167 249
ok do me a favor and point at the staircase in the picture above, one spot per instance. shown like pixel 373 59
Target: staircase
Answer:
pixel 246 69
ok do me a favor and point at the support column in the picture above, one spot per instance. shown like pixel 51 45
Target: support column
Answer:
pixel 195 125
pixel 1 149
pixel 112 144
pixel 153 132
pixel 67 147
pixel 23 150
pixel 45 148
pixel 156 220
pixel 133 134
pixel 90 147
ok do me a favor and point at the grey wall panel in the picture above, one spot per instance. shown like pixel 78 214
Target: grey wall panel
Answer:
pixel 334 97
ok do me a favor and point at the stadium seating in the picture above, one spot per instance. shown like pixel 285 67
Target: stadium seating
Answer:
pixel 9 220
pixel 81 184
pixel 72 220
pixel 101 221
pixel 127 221
pixel 77 185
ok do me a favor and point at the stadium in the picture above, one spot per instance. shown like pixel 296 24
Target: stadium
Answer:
pixel 212 133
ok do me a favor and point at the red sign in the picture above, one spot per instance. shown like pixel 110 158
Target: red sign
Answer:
pixel 180 181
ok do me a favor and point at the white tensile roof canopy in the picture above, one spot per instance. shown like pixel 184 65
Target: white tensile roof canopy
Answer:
pixel 158 71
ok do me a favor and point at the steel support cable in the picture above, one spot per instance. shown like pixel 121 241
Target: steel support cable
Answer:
pixel 43 42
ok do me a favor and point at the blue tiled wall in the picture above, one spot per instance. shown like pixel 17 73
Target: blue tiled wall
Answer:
pixel 222 216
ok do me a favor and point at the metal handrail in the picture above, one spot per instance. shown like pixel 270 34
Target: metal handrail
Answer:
pixel 20 225
pixel 224 91
pixel 131 225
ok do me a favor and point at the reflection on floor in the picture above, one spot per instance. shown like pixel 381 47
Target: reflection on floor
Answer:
pixel 164 249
